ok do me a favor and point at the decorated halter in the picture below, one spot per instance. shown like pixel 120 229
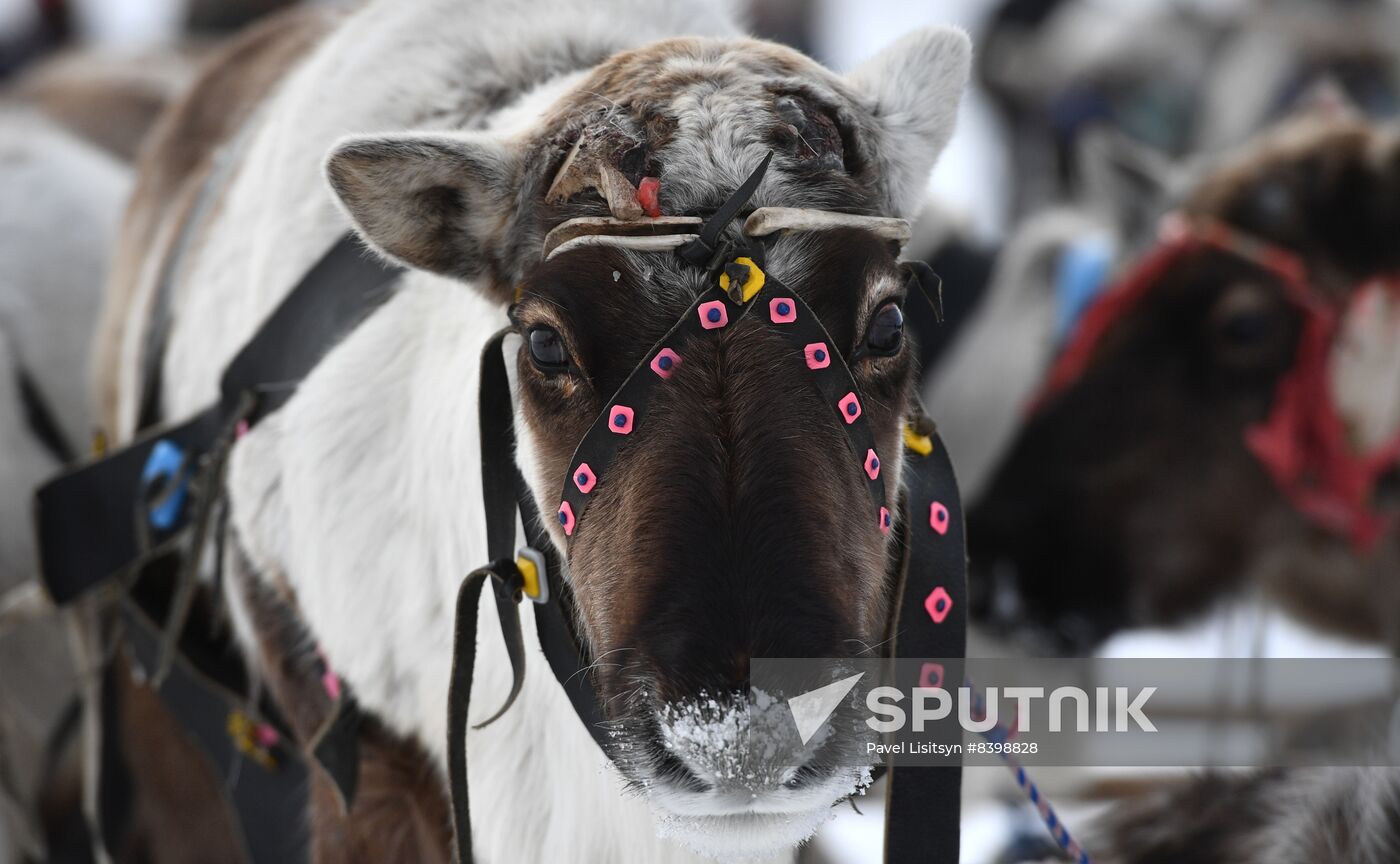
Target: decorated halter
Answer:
pixel 741 288
pixel 928 619
pixel 1305 444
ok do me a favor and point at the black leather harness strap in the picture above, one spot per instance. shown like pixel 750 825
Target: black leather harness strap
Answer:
pixel 505 491
pixel 271 793
pixel 87 516
pixel 95 528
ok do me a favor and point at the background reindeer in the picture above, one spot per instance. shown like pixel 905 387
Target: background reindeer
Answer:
pixel 1138 478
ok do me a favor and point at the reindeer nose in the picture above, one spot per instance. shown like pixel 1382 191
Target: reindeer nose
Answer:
pixel 735 747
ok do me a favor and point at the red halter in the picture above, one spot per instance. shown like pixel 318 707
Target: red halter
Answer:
pixel 1304 443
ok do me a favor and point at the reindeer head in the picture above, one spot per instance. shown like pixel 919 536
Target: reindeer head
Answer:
pixel 1140 492
pixel 733 522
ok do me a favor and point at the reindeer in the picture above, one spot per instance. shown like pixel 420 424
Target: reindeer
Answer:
pixel 455 136
pixel 1149 480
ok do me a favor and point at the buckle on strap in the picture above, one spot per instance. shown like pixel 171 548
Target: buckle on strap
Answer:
pixel 534 573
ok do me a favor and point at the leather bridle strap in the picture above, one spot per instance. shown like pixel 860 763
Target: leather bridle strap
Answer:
pixel 504 494
pixel 702 250
pixel 503 575
pixel 923 804
pixel 812 354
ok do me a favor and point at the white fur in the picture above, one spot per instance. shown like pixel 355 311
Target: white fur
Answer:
pixel 60 202
pixel 1365 368
pixel 364 491
pixel 914 87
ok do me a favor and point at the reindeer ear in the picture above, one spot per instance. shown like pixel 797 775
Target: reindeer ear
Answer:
pixel 913 87
pixel 439 202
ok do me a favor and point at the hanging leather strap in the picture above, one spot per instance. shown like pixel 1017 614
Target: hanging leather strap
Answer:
pixel 504 574
pixel 504 494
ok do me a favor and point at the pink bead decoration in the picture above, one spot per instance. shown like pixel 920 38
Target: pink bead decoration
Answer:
pixel 665 362
pixel 938 517
pixel 266 736
pixel 938 604
pixel 872 464
pixel 584 478
pixel 620 419
pixel 776 307
pixel 850 408
pixel 713 315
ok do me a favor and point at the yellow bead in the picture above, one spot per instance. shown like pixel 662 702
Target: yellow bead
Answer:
pixel 921 444
pixel 530 575
pixel 240 732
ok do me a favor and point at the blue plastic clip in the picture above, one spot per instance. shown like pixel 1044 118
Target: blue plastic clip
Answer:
pixel 164 466
pixel 1080 276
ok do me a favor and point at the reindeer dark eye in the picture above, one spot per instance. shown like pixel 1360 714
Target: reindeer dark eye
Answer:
pixel 547 350
pixel 1250 329
pixel 886 332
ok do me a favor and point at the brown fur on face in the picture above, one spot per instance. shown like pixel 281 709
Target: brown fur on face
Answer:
pixel 699 114
pixel 1131 498
pixel 734 523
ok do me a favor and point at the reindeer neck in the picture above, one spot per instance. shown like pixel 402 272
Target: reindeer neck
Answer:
pixel 362 491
